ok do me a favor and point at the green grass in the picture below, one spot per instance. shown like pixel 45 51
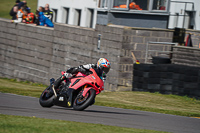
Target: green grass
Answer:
pixel 153 102
pixel 6 5
pixel 19 124
pixel 24 88
pixel 145 101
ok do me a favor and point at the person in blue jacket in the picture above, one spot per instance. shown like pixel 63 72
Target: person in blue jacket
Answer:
pixel 42 20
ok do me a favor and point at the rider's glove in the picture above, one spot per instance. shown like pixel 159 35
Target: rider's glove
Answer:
pixel 88 66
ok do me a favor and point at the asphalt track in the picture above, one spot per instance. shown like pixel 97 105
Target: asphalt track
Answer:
pixel 11 104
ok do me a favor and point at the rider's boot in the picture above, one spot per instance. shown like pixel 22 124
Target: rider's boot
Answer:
pixel 58 81
pixel 65 76
pixel 55 84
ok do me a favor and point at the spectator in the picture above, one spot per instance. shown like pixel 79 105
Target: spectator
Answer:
pixel 23 6
pixel 22 9
pixel 36 21
pixel 30 17
pixel 12 12
pixel 23 3
pixel 43 21
pixel 41 9
pixel 48 13
pixel 19 15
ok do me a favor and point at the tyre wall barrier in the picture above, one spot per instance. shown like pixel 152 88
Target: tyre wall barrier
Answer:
pixel 167 79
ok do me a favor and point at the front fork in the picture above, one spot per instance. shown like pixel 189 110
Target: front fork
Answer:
pixel 54 91
pixel 70 94
pixel 52 80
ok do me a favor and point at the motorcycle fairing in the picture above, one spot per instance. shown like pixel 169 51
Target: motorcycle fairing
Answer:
pixel 92 80
pixel 61 100
pixel 70 99
pixel 65 99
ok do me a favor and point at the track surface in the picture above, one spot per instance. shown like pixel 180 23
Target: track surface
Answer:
pixel 11 104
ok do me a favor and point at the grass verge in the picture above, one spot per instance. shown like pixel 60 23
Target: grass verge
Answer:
pixel 152 102
pixel 144 101
pixel 19 124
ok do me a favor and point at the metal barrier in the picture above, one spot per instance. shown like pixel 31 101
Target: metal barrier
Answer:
pixel 157 51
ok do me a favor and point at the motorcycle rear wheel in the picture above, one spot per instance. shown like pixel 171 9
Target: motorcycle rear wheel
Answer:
pixel 46 101
pixel 82 103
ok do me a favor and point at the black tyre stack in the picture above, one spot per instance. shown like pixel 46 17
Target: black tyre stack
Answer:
pixel 191 84
pixel 167 79
pixel 177 82
pixel 140 76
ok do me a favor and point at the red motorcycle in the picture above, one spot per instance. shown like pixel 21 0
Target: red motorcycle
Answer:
pixel 78 91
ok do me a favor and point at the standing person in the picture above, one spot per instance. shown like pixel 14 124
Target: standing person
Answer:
pixel 12 13
pixel 19 15
pixel 43 21
pixel 48 13
pixel 41 9
pixel 22 7
pixel 30 17
pixel 23 3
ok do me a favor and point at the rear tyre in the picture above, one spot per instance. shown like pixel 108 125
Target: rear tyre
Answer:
pixel 81 103
pixel 46 98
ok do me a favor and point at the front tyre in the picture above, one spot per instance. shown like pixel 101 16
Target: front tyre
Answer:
pixel 46 98
pixel 81 103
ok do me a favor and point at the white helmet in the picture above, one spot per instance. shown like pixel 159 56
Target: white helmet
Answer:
pixel 104 64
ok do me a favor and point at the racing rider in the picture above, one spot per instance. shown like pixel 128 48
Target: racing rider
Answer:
pixel 102 68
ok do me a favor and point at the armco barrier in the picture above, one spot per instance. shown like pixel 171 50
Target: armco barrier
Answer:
pixel 167 79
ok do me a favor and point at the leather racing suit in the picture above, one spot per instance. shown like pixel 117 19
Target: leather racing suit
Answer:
pixel 83 69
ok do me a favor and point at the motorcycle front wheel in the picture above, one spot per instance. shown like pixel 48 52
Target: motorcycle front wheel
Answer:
pixel 46 99
pixel 81 103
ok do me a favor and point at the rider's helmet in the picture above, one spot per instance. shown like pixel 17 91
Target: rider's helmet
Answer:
pixel 104 64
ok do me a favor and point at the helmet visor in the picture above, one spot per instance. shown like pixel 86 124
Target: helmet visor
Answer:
pixel 106 69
